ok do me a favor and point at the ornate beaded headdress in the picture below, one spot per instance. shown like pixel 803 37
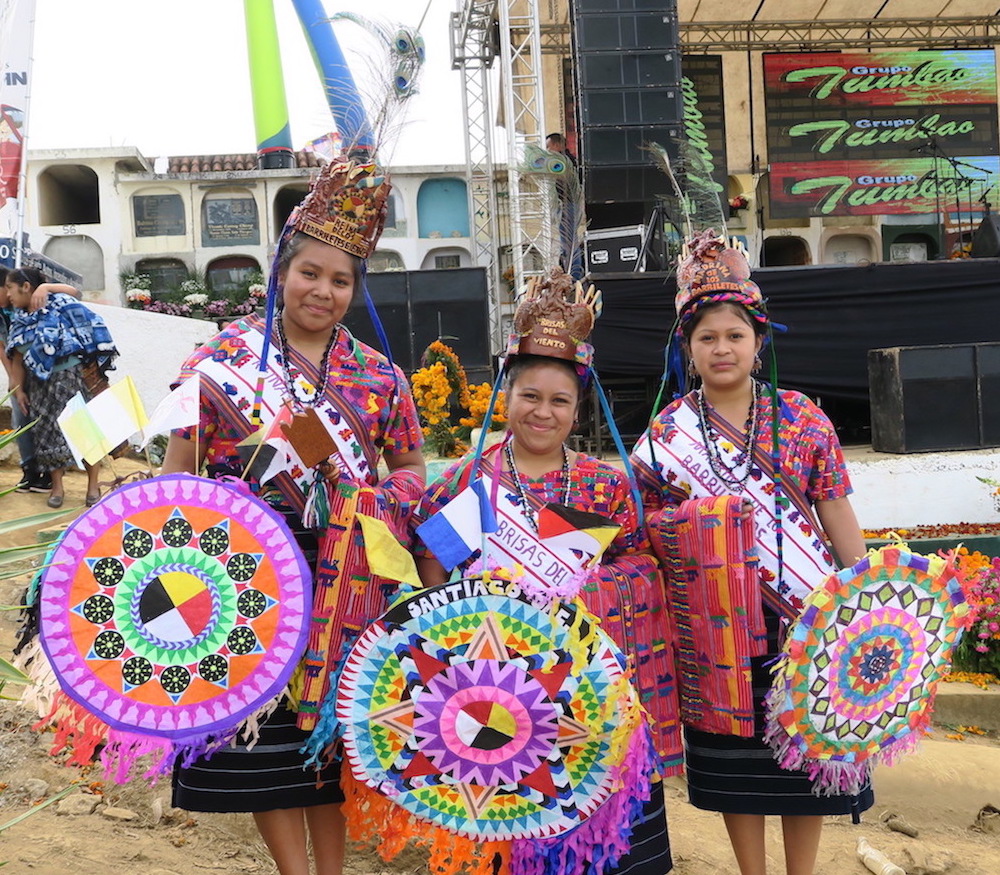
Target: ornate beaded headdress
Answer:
pixel 345 207
pixel 709 271
pixel 555 318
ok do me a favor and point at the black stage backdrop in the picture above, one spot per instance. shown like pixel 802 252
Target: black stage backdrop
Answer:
pixel 834 316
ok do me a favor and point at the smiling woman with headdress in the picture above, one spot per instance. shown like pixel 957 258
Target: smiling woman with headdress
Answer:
pixel 548 501
pixel 360 406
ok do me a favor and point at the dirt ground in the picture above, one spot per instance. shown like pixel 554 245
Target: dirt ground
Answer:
pixel 939 790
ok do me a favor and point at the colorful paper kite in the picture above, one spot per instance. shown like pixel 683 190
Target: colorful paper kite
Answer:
pixel 857 679
pixel 171 611
pixel 485 715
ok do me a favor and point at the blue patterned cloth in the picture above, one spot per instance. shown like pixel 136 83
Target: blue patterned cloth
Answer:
pixel 63 327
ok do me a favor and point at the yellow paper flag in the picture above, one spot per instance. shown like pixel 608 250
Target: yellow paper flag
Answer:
pixel 386 556
pixel 93 429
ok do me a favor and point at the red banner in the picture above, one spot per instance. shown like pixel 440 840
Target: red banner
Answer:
pixel 882 78
pixel 857 188
pixel 15 53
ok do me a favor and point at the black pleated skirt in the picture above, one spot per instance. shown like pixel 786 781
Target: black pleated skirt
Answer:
pixel 741 776
pixel 271 775
pixel 650 854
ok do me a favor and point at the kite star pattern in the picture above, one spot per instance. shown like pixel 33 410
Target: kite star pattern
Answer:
pixel 857 679
pixel 175 608
pixel 479 711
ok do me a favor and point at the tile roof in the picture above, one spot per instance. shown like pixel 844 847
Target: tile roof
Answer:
pixel 222 163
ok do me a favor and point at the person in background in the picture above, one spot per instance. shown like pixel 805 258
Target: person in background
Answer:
pixel 717 440
pixel 32 480
pixel 49 348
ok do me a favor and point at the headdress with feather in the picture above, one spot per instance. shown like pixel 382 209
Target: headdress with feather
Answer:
pixel 712 270
pixel 346 204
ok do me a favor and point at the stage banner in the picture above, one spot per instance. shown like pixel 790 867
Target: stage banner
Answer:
pixel 16 18
pixel 853 133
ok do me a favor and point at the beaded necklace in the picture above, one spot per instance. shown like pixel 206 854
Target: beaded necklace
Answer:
pixel 324 373
pixel 529 513
pixel 726 473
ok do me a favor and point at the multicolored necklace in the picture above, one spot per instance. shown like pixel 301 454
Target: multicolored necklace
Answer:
pixel 529 512
pixel 726 473
pixel 320 387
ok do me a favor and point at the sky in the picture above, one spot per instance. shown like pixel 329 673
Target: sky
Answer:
pixel 171 77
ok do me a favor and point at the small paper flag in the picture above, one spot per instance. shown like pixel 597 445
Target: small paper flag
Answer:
pixel 386 556
pixel 179 409
pixel 94 428
pixel 587 534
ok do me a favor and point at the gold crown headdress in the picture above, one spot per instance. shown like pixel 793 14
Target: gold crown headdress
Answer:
pixel 712 269
pixel 555 318
pixel 345 207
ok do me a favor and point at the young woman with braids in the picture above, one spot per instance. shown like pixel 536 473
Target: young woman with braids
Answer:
pixel 719 440
pixel 364 403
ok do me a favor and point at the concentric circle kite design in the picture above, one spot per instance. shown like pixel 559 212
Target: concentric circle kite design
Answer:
pixel 478 711
pixel 175 607
pixel 862 663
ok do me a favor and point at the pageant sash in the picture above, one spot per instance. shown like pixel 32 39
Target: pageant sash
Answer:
pixel 232 381
pixel 683 458
pixel 547 565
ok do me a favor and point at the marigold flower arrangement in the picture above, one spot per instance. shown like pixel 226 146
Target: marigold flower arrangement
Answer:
pixel 442 393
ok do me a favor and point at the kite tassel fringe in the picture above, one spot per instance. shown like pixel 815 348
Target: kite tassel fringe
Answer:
pixel 124 749
pixel 370 815
pixel 835 777
pixel 76 729
pixel 600 842
pixel 89 738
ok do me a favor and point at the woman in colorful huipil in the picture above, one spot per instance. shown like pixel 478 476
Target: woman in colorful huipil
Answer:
pixel 363 409
pixel 719 440
pixel 545 374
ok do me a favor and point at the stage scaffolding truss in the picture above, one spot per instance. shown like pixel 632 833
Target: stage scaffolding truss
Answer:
pixel 518 213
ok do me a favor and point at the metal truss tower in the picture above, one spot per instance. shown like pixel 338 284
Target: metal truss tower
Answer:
pixel 480 31
pixel 531 200
pixel 473 51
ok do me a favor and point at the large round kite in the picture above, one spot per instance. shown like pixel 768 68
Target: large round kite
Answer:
pixel 483 713
pixel 175 607
pixel 860 668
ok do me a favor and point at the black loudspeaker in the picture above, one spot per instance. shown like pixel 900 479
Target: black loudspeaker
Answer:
pixel 418 306
pixel 986 240
pixel 390 292
pixel 926 398
pixel 628 73
pixel 451 304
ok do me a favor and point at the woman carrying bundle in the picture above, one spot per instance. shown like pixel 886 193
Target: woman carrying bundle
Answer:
pixel 722 440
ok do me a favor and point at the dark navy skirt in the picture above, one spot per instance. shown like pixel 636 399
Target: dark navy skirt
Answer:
pixel 271 775
pixel 741 776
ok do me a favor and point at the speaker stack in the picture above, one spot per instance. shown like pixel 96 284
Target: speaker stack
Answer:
pixel 926 398
pixel 628 72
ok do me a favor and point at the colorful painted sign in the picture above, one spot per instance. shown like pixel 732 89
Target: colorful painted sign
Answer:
pixel 902 186
pixel 854 133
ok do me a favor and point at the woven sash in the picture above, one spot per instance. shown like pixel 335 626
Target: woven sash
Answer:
pixel 714 592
